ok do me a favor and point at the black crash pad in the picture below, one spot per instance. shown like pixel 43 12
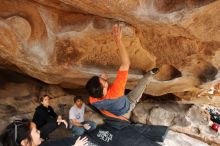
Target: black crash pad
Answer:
pixel 131 135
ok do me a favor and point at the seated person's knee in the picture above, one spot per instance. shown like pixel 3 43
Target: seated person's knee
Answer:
pixel 78 131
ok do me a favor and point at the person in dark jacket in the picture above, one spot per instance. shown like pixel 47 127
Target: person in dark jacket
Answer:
pixel 45 118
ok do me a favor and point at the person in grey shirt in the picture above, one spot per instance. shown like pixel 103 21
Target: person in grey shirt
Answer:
pixel 76 117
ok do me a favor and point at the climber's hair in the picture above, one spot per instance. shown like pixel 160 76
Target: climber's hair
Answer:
pixel 94 87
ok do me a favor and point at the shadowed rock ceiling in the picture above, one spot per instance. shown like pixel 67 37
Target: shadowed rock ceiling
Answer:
pixel 65 42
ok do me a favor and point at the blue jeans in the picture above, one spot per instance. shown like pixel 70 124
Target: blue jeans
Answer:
pixel 80 130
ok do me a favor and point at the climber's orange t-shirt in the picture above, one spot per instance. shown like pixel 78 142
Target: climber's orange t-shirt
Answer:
pixel 116 90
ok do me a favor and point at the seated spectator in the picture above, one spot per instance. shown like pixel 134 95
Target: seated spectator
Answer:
pixel 24 133
pixel 76 117
pixel 46 119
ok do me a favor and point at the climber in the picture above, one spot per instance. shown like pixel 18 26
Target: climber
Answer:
pixel 111 101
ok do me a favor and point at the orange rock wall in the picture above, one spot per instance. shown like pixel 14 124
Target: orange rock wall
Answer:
pixel 67 41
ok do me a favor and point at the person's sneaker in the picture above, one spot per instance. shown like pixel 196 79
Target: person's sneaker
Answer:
pixel 154 70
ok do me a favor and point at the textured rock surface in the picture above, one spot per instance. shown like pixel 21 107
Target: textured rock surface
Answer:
pixel 189 119
pixel 168 72
pixel 65 42
pixel 19 98
pixel 179 139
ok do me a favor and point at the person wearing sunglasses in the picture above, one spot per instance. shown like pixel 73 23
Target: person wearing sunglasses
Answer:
pixel 25 133
pixel 46 119
pixel 110 100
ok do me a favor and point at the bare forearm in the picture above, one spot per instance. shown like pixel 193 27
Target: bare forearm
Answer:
pixel 76 123
pixel 125 61
pixel 117 35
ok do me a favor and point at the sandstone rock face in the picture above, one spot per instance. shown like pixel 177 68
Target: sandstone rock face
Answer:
pixel 168 72
pixel 65 42
pixel 189 119
pixel 158 116
pixel 179 139
pixel 19 96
